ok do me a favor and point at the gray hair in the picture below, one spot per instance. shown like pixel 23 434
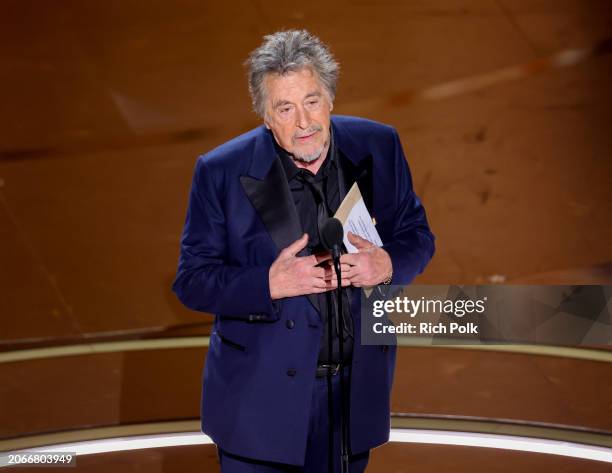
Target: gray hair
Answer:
pixel 289 51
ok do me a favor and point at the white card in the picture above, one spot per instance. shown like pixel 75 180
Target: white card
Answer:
pixel 355 218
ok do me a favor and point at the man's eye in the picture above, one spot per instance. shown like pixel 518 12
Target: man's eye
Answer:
pixel 312 102
pixel 285 109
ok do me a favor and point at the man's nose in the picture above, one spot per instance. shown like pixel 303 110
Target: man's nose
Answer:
pixel 302 118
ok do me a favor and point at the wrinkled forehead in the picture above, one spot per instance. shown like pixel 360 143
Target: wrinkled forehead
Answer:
pixel 293 85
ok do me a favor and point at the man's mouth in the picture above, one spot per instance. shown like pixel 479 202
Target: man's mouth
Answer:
pixel 306 137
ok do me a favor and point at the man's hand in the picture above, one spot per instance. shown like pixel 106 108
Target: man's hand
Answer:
pixel 292 275
pixel 370 266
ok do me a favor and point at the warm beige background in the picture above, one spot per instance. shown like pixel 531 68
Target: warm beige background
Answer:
pixel 107 104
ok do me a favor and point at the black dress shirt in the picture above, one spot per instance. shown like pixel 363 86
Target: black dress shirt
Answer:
pixel 307 190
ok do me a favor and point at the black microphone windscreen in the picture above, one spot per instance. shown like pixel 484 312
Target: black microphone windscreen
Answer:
pixel 332 233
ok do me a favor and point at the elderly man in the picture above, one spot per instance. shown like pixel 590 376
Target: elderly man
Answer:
pixel 251 254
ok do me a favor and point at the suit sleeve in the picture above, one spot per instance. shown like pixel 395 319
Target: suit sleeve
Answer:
pixel 412 245
pixel 204 281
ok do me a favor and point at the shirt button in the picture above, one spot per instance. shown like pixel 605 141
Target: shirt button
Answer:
pixel 291 372
pixel 290 323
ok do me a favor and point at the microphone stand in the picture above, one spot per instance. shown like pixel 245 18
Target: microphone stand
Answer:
pixel 330 396
pixel 331 236
pixel 344 459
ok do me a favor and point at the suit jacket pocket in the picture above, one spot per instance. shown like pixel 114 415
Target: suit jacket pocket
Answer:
pixel 235 333
pixel 231 343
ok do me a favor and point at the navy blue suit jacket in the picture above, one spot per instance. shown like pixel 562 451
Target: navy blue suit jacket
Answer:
pixel 259 371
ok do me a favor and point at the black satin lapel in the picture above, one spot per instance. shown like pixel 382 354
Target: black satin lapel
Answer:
pixel 272 200
pixel 364 181
pixel 360 173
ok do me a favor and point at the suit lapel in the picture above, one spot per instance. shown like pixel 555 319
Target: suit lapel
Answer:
pixel 272 200
pixel 268 190
pixel 355 165
pixel 361 173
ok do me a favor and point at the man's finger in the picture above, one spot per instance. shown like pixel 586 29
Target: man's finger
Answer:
pixel 350 258
pixel 322 257
pixel 358 242
pixel 346 279
pixel 332 283
pixel 324 284
pixel 344 269
pixel 317 272
pixel 297 246
pixel 319 290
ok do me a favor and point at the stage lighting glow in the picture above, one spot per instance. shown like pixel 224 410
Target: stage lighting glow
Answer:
pixel 435 437
pixel 121 444
pixel 505 442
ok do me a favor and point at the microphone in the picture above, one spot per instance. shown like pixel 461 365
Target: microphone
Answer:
pixel 331 237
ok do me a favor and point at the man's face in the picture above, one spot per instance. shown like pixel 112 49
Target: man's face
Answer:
pixel 297 113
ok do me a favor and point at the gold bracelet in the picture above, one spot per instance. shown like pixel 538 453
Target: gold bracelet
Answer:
pixel 387 281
